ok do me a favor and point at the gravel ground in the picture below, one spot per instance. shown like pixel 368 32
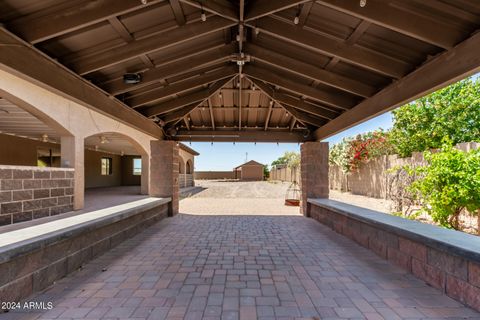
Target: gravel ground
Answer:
pixel 381 205
pixel 238 198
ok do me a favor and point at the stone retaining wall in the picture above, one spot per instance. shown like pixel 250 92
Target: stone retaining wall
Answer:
pixel 28 193
pixel 445 259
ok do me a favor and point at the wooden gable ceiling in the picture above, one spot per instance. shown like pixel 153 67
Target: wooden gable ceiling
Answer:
pixel 253 70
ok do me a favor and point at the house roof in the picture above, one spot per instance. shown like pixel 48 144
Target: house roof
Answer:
pixel 253 70
pixel 188 149
pixel 250 163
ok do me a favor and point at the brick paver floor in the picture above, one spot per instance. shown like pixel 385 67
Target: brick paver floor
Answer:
pixel 242 267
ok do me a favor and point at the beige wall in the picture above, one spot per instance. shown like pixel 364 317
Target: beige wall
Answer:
pixel 128 178
pixel 93 177
pixel 21 151
pixel 252 172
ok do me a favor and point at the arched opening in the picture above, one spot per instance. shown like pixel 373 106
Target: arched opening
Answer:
pixel 188 167
pixel 116 169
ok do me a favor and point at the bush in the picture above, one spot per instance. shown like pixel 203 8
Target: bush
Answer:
pixel 350 153
pixel 449 184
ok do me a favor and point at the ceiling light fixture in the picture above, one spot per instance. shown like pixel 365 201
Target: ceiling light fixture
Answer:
pixel 296 20
pixel 363 3
pixel 203 16
pixel 257 30
pixel 45 137
pixel 143 1
pixel 103 140
pixel 220 95
pixel 132 78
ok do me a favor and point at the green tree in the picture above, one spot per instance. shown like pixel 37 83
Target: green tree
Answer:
pixel 266 172
pixel 449 184
pixel 452 112
pixel 287 158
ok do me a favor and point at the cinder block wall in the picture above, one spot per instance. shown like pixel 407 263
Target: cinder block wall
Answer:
pixel 28 193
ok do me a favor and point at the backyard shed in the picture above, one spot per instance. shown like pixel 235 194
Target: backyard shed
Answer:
pixel 249 171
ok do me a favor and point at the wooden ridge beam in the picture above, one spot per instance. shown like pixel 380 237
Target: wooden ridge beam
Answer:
pixel 179 87
pixel 27 62
pixel 241 136
pixel 179 114
pixel 381 13
pixel 261 8
pixel 270 92
pixel 150 44
pixel 449 67
pixel 335 48
pixel 309 71
pixel 337 101
pixel 175 68
pixel 74 18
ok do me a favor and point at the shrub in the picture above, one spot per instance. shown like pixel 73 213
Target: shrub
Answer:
pixel 449 184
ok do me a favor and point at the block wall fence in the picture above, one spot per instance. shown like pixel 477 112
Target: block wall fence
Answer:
pixel 28 193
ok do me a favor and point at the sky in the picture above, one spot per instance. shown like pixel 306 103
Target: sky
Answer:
pixel 223 156
pixel 226 156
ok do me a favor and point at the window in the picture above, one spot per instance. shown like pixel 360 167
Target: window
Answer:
pixel 106 166
pixel 137 166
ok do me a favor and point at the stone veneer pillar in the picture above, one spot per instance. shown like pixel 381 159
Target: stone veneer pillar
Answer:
pixel 73 156
pixel 314 172
pixel 164 172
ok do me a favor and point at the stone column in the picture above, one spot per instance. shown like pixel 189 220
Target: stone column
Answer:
pixel 164 172
pixel 314 172
pixel 73 156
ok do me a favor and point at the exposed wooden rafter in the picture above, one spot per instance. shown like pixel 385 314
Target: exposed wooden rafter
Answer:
pixel 182 101
pixel 181 65
pixel 298 114
pixel 310 71
pixel 178 114
pixel 180 87
pixel 439 72
pixel 177 12
pixel 331 47
pixel 261 8
pixel 382 13
pixel 76 17
pixel 335 100
pixel 150 44
pixel 220 8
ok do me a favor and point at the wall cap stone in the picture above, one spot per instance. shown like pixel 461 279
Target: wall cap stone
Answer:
pixel 18 242
pixel 35 168
pixel 451 241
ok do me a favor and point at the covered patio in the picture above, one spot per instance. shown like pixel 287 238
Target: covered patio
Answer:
pixel 86 76
pixel 214 266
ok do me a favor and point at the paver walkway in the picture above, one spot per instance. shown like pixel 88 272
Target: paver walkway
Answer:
pixel 230 267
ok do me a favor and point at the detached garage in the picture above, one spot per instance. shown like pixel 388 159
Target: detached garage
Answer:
pixel 249 171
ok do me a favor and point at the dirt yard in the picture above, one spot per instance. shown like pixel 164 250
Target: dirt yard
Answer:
pixel 220 197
